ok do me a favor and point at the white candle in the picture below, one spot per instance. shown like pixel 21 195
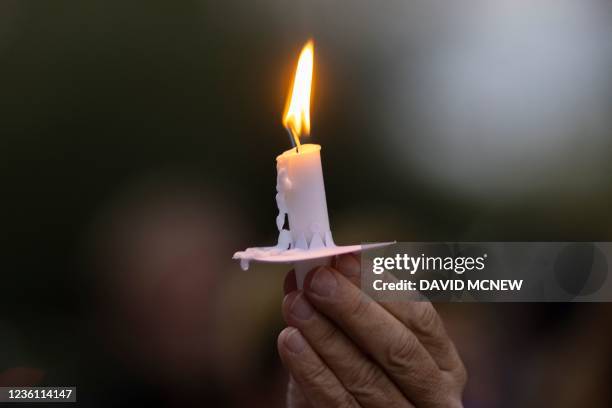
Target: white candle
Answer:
pixel 307 240
pixel 301 188
pixel 301 197
pixel 301 191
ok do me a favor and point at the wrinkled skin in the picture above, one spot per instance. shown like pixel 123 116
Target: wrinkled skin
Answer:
pixel 343 349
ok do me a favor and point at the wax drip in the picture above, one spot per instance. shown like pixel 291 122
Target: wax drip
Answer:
pixel 282 184
pixel 320 239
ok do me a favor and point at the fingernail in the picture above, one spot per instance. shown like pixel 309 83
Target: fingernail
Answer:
pixel 323 282
pixel 300 308
pixel 294 341
pixel 348 265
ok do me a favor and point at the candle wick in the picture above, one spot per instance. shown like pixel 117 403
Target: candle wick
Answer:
pixel 295 140
pixel 290 137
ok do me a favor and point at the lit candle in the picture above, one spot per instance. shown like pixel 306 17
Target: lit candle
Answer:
pixel 300 187
pixel 300 190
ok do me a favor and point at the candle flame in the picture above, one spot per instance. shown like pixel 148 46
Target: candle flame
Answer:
pixel 297 110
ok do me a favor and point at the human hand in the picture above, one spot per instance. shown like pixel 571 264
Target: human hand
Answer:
pixel 343 349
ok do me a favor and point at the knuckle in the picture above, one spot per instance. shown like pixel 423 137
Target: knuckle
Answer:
pixel 360 306
pixel 368 384
pixel 327 336
pixel 315 374
pixel 400 352
pixel 318 376
pixel 363 378
pixel 427 319
pixel 345 400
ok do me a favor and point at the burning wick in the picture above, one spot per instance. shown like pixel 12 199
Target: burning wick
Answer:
pixel 292 139
pixel 297 111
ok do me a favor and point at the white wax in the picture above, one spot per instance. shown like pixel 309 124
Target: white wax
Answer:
pixel 301 195
pixel 301 185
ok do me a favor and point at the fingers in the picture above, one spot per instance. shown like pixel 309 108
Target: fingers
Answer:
pixel 424 321
pixel 360 376
pixel 318 383
pixel 350 266
pixel 418 318
pixel 295 396
pixel 421 317
pixel 381 334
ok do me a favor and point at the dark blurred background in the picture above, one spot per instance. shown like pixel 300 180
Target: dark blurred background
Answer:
pixel 138 147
